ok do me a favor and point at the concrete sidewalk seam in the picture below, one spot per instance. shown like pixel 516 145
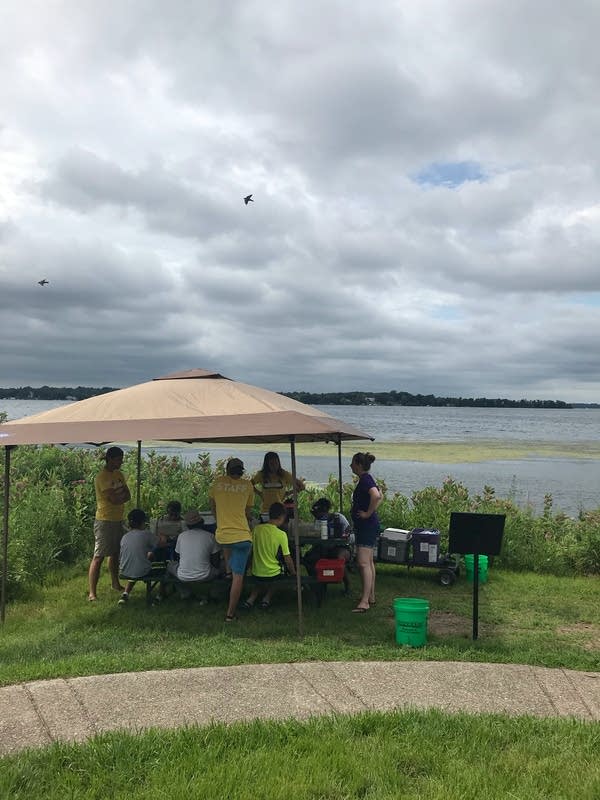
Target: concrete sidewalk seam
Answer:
pixel 36 710
pixel 79 700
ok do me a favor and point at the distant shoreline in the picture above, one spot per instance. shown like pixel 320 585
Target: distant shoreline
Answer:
pixel 388 399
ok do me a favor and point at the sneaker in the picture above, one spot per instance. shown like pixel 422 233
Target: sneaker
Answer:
pixel 157 600
pixel 124 598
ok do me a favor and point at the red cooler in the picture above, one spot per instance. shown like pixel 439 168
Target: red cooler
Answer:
pixel 330 570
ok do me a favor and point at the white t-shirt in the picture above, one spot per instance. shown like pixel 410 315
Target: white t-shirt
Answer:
pixel 133 559
pixel 195 548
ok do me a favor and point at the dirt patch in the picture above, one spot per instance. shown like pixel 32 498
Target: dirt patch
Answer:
pixel 445 623
pixel 587 631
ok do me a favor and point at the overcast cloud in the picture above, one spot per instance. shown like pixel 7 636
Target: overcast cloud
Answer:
pixel 426 187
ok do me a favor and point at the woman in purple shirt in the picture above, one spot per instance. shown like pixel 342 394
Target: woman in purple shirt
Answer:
pixel 365 500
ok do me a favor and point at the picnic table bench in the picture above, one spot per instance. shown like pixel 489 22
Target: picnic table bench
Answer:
pixel 221 585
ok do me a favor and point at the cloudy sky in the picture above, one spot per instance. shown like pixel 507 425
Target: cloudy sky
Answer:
pixel 426 186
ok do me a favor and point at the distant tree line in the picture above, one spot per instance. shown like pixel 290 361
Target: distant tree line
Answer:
pixel 395 398
pixel 392 398
pixel 52 392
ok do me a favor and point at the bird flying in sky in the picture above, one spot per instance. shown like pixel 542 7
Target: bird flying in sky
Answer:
pixel 248 199
pixel 43 282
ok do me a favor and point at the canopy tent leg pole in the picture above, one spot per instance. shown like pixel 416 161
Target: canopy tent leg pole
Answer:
pixel 339 449
pixel 7 450
pixel 296 536
pixel 139 473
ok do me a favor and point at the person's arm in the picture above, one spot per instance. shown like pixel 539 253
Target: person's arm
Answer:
pixel 375 497
pixel 256 482
pixel 290 565
pixel 119 495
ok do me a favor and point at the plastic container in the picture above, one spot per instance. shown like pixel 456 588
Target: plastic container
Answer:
pixel 324 529
pixel 330 570
pixel 470 568
pixel 411 615
pixel 426 546
pixel 394 546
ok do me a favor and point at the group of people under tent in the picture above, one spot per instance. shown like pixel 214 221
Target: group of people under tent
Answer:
pixel 193 553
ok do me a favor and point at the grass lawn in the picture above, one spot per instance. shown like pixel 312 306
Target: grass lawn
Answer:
pixel 425 755
pixel 524 618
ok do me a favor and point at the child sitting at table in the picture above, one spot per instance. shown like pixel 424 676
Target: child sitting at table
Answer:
pixel 169 526
pixel 137 551
pixel 321 510
pixel 268 541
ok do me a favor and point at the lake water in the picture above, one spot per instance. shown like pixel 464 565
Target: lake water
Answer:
pixel 574 484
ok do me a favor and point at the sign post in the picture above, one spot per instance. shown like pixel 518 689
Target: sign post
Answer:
pixel 479 534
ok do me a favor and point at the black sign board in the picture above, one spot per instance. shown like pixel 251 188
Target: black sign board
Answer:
pixel 481 535
pixel 476 533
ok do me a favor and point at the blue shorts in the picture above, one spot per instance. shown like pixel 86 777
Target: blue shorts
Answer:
pixel 238 558
pixel 366 534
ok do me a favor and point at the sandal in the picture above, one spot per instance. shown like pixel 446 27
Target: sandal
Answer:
pixel 359 610
pixel 265 605
pixel 247 606
pixel 230 618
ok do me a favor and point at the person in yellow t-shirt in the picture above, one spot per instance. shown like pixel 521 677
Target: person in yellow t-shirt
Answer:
pixel 231 499
pixel 111 495
pixel 272 482
pixel 268 540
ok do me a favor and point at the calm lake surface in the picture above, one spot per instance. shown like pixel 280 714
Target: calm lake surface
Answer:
pixel 574 484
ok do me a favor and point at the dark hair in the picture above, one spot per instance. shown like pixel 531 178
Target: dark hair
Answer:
pixel 175 506
pixel 265 469
pixel 364 460
pixel 321 506
pixel 113 452
pixel 277 510
pixel 136 517
pixel 235 467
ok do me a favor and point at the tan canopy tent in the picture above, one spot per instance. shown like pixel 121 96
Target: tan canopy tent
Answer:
pixel 192 406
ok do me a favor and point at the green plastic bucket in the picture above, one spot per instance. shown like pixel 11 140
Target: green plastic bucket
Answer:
pixel 411 615
pixel 470 568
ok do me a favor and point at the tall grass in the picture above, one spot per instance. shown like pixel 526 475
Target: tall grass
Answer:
pixel 52 506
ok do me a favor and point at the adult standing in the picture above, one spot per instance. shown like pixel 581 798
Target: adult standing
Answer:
pixel 272 482
pixel 112 493
pixel 365 501
pixel 231 499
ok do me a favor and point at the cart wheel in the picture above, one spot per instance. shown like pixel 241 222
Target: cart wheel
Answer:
pixel 446 577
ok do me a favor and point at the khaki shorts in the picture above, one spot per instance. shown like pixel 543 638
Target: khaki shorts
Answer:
pixel 107 536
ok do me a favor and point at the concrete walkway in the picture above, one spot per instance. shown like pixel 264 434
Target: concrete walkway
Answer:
pixel 40 712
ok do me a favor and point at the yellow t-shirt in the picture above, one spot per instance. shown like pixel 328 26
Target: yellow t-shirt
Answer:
pixel 232 496
pixel 106 510
pixel 266 541
pixel 274 489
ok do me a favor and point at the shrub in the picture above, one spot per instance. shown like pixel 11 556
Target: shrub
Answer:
pixel 52 507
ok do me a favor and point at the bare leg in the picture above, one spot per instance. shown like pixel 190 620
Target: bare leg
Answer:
pixel 93 576
pixel 252 597
pixel 237 582
pixel 372 595
pixel 129 587
pixel 366 569
pixel 113 569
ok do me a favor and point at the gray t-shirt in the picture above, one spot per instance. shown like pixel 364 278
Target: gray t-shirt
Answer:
pixel 133 560
pixel 195 548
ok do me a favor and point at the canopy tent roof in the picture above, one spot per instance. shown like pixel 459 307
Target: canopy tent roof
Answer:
pixel 193 406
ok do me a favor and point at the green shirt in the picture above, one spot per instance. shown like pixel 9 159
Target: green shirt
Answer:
pixel 266 541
